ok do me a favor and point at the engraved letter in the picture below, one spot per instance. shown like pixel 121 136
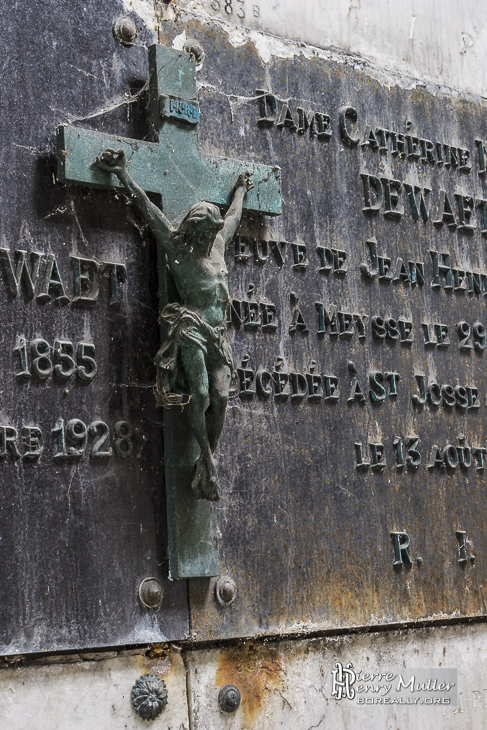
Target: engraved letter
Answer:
pixel 401 544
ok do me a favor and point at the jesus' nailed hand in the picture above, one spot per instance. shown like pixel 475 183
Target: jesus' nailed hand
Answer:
pixel 196 357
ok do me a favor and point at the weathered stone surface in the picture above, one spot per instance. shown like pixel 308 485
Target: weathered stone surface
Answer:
pixel 289 683
pixel 282 684
pixel 414 38
pixel 89 694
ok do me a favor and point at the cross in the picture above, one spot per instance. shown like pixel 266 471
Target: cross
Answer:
pixel 172 166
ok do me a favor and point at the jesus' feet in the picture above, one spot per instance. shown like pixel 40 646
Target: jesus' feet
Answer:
pixel 205 482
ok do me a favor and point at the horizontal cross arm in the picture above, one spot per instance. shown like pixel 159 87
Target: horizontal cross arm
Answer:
pixel 222 174
pixel 179 174
pixel 213 179
pixel 77 150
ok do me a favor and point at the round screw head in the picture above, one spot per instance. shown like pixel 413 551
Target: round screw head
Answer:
pixel 151 592
pixel 229 698
pixel 125 31
pixel 225 590
pixel 195 49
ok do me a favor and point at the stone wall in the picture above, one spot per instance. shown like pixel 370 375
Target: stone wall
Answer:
pixel 284 682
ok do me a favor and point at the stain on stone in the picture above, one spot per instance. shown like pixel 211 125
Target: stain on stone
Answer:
pixel 256 670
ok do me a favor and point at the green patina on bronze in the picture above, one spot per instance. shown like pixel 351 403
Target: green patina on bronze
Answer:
pixel 195 358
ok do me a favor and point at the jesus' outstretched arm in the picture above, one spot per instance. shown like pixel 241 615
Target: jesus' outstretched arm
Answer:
pixel 232 218
pixel 114 161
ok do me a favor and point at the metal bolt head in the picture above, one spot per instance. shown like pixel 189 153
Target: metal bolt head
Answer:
pixel 125 31
pixel 225 590
pixel 151 592
pixel 229 698
pixel 195 48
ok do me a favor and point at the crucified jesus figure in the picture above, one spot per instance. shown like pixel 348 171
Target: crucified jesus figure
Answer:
pixel 196 357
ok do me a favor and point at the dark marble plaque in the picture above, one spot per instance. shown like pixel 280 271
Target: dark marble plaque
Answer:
pixel 352 462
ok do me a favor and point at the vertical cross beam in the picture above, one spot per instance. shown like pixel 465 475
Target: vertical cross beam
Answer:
pixel 192 526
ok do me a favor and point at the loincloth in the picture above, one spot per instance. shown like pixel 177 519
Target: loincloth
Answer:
pixel 185 328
